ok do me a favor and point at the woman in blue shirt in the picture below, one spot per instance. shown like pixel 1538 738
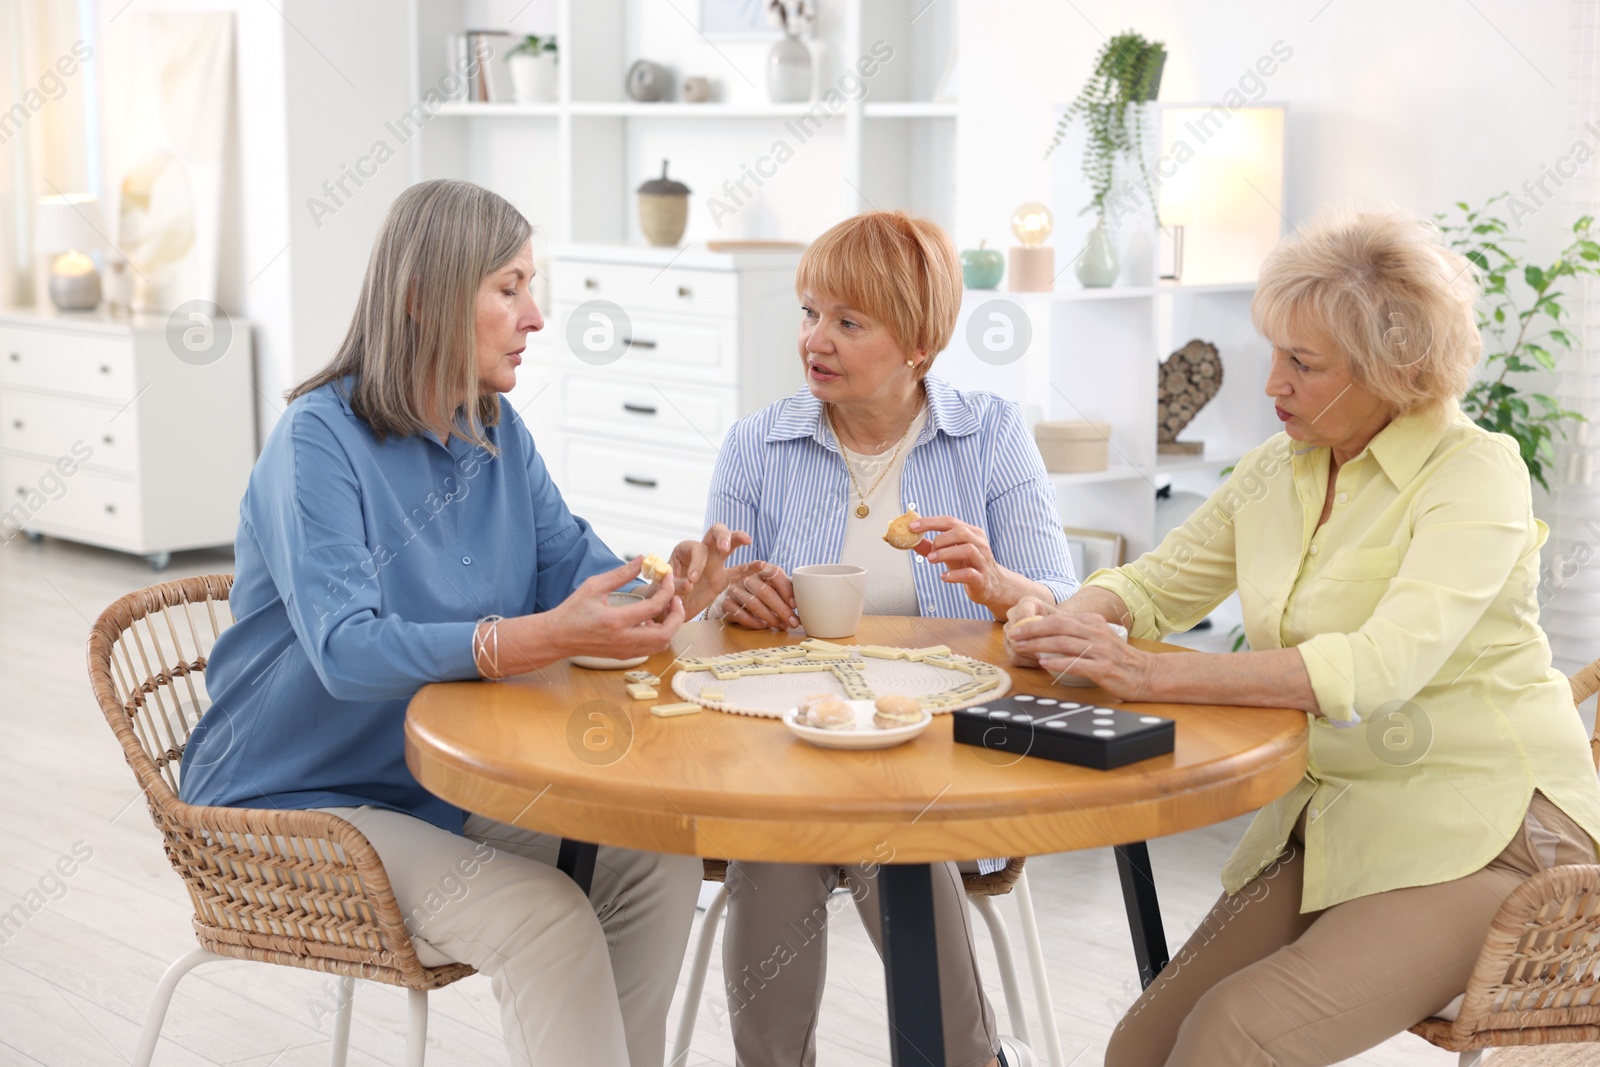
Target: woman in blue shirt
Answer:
pixel 816 478
pixel 397 511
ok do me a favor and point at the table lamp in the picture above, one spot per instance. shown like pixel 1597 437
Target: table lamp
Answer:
pixel 1177 204
pixel 1033 266
pixel 69 228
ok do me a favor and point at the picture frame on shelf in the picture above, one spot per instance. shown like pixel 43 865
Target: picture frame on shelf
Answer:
pixel 737 20
pixel 1093 550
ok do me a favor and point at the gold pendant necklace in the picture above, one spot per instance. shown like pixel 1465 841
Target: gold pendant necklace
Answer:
pixel 862 511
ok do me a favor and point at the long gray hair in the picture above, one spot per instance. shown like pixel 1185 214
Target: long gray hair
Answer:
pixel 410 348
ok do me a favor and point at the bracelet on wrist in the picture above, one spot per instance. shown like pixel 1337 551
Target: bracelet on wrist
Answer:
pixel 486 647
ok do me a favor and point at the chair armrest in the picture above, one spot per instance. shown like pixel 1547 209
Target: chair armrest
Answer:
pixel 1540 963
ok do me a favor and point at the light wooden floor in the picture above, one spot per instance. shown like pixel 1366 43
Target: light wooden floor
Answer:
pixel 75 981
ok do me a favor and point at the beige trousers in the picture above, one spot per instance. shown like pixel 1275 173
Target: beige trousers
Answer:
pixel 775 955
pixel 1259 984
pixel 578 981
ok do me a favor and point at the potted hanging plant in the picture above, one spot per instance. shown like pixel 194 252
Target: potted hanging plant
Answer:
pixel 533 69
pixel 1522 317
pixel 1127 72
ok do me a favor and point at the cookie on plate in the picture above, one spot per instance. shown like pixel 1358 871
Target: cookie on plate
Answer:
pixel 896 709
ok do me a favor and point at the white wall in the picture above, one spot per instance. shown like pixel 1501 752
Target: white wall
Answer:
pixel 1420 103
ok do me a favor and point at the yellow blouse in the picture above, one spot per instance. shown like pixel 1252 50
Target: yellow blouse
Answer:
pixel 1415 607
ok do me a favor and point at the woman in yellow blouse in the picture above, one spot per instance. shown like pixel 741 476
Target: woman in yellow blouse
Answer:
pixel 1385 552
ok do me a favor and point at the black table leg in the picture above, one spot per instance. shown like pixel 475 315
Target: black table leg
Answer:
pixel 911 965
pixel 576 861
pixel 1144 910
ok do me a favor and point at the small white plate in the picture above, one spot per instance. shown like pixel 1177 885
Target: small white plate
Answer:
pixel 600 663
pixel 865 734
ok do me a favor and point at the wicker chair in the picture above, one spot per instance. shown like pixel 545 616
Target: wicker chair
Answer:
pixel 981 891
pixel 1537 980
pixel 300 888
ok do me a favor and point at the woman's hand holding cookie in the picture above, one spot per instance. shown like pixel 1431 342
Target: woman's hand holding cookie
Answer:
pixel 968 559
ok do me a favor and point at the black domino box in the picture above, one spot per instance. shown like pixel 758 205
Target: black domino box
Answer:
pixel 1065 731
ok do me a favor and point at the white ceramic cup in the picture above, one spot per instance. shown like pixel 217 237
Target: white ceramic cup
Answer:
pixel 601 663
pixel 829 597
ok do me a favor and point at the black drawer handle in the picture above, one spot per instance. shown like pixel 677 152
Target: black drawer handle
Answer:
pixel 643 483
pixel 685 293
pixel 635 342
pixel 590 283
pixel 637 409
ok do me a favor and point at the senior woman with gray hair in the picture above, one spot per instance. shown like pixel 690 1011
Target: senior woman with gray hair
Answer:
pixel 397 512
pixel 1385 552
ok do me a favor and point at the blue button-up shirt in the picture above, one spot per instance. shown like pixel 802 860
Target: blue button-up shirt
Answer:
pixel 780 476
pixel 362 568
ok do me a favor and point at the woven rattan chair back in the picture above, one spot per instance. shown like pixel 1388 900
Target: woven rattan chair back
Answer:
pixel 300 888
pixel 1537 979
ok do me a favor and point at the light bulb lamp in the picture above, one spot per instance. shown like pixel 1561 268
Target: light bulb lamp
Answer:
pixel 68 228
pixel 1177 197
pixel 1033 265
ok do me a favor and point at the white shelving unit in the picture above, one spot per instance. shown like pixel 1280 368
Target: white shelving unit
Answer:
pixel 572 165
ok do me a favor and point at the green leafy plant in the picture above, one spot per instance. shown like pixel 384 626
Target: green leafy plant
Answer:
pixel 1126 72
pixel 1522 332
pixel 533 44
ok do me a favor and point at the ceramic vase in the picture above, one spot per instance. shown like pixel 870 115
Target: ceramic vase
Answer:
pixel 789 71
pixel 1097 267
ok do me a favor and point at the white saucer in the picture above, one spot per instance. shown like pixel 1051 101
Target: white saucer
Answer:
pixel 600 663
pixel 863 735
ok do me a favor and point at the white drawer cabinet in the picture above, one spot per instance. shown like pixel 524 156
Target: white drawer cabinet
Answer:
pixel 711 340
pixel 108 437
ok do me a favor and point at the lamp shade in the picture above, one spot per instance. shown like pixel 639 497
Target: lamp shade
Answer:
pixel 67 223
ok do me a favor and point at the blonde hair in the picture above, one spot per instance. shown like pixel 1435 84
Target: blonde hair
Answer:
pixel 410 349
pixel 893 267
pixel 1391 297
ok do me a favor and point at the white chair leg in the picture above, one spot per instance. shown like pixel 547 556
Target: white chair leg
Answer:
pixel 417 1030
pixel 1472 1058
pixel 341 1021
pixel 162 998
pixel 1008 967
pixel 697 978
pixel 1041 981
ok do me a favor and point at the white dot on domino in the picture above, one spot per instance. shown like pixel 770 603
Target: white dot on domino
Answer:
pixel 1019 717
pixel 1152 719
pixel 999 714
pixel 1056 725
pixel 1046 701
pixel 1024 697
pixel 1105 722
pixel 1105 733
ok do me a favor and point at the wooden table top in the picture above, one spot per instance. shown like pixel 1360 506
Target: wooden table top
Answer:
pixel 565 751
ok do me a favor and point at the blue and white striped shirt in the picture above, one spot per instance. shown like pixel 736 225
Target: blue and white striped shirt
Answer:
pixel 781 477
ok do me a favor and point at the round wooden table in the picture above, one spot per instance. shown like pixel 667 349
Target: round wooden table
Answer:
pixel 565 751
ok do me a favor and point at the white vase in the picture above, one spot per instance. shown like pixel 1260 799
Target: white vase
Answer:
pixel 789 71
pixel 524 77
pixel 544 78
pixel 1097 267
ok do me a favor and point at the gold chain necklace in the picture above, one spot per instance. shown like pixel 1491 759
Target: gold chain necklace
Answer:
pixel 862 511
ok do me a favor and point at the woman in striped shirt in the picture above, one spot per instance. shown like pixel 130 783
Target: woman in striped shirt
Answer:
pixel 815 478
